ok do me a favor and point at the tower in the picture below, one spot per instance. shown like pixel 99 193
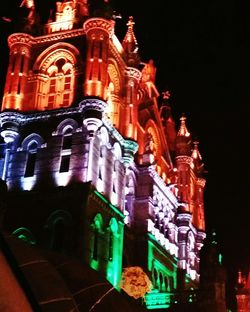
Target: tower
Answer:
pixel 90 155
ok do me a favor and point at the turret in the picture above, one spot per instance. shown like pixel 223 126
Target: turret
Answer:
pixel 130 45
pixel 183 162
pixel 98 32
pixel 132 79
pixel 17 73
pixel 199 185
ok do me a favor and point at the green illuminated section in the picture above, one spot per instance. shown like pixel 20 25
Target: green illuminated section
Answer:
pixel 106 244
pixel 163 268
pixel 158 300
pixel 25 235
pixel 109 204
pixel 154 264
pixel 220 259
pixel 115 251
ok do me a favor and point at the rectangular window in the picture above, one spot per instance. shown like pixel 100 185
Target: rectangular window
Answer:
pixel 30 165
pixel 52 86
pixel 64 167
pixel 95 247
pixel 67 83
pixel 67 142
pixel 51 101
pixel 66 97
pixel 111 242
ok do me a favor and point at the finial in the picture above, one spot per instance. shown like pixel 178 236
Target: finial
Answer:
pixel 195 153
pixel 183 129
pixel 129 42
pixel 165 95
pixel 130 23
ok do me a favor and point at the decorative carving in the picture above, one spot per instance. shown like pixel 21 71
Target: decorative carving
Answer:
pixel 201 182
pixel 93 104
pixel 133 73
pixel 184 159
pixel 58 54
pixel 100 23
pixel 20 38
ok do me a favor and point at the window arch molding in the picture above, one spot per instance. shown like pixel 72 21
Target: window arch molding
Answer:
pixel 66 124
pixel 98 222
pixel 59 214
pixel 56 225
pixel 47 57
pixel 151 129
pixel 25 234
pixel 114 75
pixel 56 78
pixel 30 139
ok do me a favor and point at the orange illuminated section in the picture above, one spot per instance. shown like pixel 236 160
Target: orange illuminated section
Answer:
pixel 68 14
pixel 98 33
pixel 17 73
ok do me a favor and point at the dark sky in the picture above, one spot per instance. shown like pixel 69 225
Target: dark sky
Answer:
pixel 202 53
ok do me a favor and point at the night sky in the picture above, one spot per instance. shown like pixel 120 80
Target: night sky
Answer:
pixel 202 53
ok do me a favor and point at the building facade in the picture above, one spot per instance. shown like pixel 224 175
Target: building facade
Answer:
pixel 89 151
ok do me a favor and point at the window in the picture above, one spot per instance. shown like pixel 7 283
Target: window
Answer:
pixel 30 165
pixel 60 83
pixel 67 142
pixel 31 159
pixel 64 166
pixel 95 244
pixel 111 242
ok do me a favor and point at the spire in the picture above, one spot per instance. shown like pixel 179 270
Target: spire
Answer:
pixel 183 129
pixel 183 139
pixel 195 153
pixel 129 43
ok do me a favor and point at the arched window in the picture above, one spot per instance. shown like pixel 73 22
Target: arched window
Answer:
pixel 57 225
pixel 166 283
pixel 60 84
pixel 129 199
pixel 25 235
pixel 161 281
pixel 113 228
pixel 97 228
pixel 155 278
pixel 31 159
pixel 66 149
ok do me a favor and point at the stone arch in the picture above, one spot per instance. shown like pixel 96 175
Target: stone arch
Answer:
pixel 114 76
pixel 130 189
pixel 104 135
pixel 25 234
pixel 63 49
pixel 97 230
pixel 30 139
pixel 56 78
pixel 56 225
pixel 117 151
pixel 113 92
pixel 152 130
pixel 66 124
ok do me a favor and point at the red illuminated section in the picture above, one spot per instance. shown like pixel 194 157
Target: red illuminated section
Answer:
pixel 190 170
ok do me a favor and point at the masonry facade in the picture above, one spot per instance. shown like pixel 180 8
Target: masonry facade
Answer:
pixel 91 156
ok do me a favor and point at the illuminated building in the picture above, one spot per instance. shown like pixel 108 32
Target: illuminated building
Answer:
pixel 90 152
pixel 243 292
